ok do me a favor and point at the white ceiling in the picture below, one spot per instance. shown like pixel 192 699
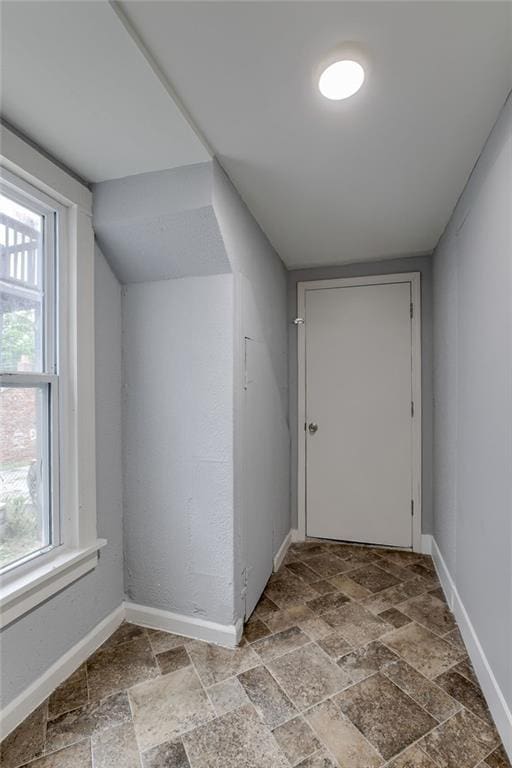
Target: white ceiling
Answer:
pixel 74 81
pixel 377 175
pixel 373 176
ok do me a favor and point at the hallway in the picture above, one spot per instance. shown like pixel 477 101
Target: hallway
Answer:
pixel 351 659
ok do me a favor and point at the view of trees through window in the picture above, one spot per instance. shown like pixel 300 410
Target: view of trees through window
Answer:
pixel 24 527
pixel 18 338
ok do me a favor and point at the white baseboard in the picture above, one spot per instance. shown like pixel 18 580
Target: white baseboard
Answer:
pixel 281 552
pixel 490 687
pixel 190 626
pixel 296 535
pixel 21 707
pixel 445 577
pixel 34 695
pixel 426 544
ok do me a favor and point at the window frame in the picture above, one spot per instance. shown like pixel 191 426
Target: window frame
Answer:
pixel 24 587
pixel 53 338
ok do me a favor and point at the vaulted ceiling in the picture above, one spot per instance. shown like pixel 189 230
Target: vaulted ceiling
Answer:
pixel 329 182
pixel 75 82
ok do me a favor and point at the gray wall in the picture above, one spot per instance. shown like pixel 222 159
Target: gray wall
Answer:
pixel 160 225
pixel 178 445
pixel 473 399
pixel 421 264
pixel 260 314
pixel 37 640
pixel 183 365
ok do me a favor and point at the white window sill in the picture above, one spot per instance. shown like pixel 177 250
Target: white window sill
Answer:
pixel 19 595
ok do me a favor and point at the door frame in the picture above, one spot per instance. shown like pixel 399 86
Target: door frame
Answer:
pixel 414 278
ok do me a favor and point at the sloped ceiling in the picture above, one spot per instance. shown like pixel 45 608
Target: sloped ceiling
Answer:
pixel 375 176
pixel 74 81
pixel 161 225
pixel 331 182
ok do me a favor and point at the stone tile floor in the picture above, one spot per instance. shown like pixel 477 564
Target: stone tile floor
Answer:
pixel 351 659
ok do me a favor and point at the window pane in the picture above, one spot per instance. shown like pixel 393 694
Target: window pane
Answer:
pixel 21 287
pixel 24 464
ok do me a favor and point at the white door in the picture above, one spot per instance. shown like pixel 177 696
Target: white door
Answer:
pixel 358 392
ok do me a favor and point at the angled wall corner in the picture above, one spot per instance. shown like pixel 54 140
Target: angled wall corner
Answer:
pixel 161 236
pixel 199 277
pixel 262 435
pixel 160 226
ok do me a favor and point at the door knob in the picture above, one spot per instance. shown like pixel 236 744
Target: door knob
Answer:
pixel 312 428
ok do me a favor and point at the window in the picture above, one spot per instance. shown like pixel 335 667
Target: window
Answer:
pixel 29 441
pixel 48 535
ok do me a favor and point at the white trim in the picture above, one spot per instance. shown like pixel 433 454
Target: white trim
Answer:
pixel 490 687
pixel 19 594
pixel 418 410
pixel 79 485
pixel 54 226
pixel 16 711
pixel 77 440
pixel 190 626
pixel 414 278
pixel 426 544
pixel 296 535
pixel 21 707
pixel 445 578
pixel 27 162
pixel 281 552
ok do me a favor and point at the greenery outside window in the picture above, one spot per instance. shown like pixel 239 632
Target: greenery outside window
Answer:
pixel 48 533
pixel 29 450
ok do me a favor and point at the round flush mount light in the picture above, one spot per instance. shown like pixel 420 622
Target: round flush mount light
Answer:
pixel 341 79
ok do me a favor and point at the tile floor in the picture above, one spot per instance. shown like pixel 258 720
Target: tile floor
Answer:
pixel 351 659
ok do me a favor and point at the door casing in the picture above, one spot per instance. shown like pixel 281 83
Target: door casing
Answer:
pixel 414 279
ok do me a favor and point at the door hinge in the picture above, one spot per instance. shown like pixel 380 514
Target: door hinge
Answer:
pixel 298 321
pixel 411 309
pixel 412 409
pixel 412 507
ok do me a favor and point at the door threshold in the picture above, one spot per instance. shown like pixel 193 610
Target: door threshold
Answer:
pixel 367 544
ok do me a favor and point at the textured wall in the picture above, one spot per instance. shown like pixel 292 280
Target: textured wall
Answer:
pixel 158 226
pixel 421 264
pixel 178 445
pixel 261 316
pixel 180 518
pixel 473 399
pixel 34 642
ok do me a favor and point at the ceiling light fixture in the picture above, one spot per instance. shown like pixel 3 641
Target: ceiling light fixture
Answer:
pixel 341 79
